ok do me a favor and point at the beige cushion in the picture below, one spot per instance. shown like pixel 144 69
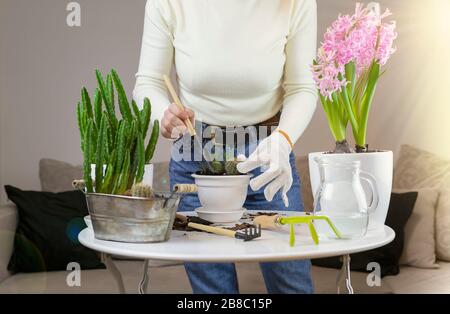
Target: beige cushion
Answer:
pixel 419 247
pixel 443 226
pixel 303 171
pixel 420 169
pixel 57 176
pixel 162 280
pixel 92 281
pixel 325 282
pixel 421 281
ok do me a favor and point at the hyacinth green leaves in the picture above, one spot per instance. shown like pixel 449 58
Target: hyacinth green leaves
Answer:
pixel 351 105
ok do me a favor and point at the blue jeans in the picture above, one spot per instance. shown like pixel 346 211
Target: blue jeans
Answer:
pixel 221 278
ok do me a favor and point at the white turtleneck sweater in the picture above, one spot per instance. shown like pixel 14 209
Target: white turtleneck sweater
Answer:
pixel 238 62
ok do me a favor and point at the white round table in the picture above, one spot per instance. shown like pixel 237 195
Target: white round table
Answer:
pixel 204 247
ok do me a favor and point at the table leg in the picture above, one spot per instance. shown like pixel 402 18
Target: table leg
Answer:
pixel 344 275
pixel 106 258
pixel 144 281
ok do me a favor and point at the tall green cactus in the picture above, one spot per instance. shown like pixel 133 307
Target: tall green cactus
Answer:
pixel 124 105
pixel 150 150
pixel 141 158
pixel 137 113
pixel 108 180
pixel 82 123
pixel 98 107
pixel 118 143
pixel 99 155
pixel 110 91
pixel 145 115
pixel 121 144
pixel 107 93
pixel 87 148
pixel 86 100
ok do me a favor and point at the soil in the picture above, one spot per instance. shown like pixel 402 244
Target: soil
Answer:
pixel 181 222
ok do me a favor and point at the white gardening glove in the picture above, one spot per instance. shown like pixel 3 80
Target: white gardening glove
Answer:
pixel 272 154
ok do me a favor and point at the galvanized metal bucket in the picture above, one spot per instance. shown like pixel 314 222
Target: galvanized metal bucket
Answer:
pixel 132 219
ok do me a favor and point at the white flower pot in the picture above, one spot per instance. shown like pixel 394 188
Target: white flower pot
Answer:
pixel 148 173
pixel 378 164
pixel 222 193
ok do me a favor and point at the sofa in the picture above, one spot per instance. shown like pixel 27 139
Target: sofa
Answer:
pixel 169 277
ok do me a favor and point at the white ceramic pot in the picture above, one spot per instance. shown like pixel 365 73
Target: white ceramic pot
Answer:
pixel 378 164
pixel 148 173
pixel 222 193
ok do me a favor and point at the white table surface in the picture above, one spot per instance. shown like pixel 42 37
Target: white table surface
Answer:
pixel 271 246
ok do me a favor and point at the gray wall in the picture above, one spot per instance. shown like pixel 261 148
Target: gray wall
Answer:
pixel 43 64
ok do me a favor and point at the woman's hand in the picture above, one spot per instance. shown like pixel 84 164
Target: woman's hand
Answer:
pixel 173 122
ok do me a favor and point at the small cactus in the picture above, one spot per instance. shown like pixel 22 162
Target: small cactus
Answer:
pixel 204 169
pixel 227 167
pixel 141 190
pixel 217 167
pixel 231 168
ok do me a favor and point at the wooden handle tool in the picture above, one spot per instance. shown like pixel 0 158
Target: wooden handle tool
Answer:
pixel 177 101
pixel 215 230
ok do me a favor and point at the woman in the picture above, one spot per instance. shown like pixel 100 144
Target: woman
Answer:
pixel 238 63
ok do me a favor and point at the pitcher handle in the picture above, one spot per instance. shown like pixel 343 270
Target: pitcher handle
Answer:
pixel 373 185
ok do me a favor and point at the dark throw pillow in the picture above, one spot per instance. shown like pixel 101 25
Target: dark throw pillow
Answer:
pixel 47 233
pixel 388 256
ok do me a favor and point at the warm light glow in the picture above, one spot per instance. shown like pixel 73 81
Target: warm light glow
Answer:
pixel 442 12
pixel 435 48
pixel 416 86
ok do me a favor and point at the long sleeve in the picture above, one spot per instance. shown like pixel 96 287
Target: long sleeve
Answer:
pixel 156 58
pixel 300 97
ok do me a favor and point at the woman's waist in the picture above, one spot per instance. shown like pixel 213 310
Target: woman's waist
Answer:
pixel 236 116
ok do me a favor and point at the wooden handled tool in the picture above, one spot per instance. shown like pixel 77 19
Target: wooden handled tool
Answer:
pixel 177 101
pixel 215 230
pixel 267 222
pixel 249 233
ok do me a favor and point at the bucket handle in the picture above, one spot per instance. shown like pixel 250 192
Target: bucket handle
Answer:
pixel 79 185
pixel 185 188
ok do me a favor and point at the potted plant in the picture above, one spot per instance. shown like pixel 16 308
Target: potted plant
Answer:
pixel 346 72
pixel 222 190
pixel 116 168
